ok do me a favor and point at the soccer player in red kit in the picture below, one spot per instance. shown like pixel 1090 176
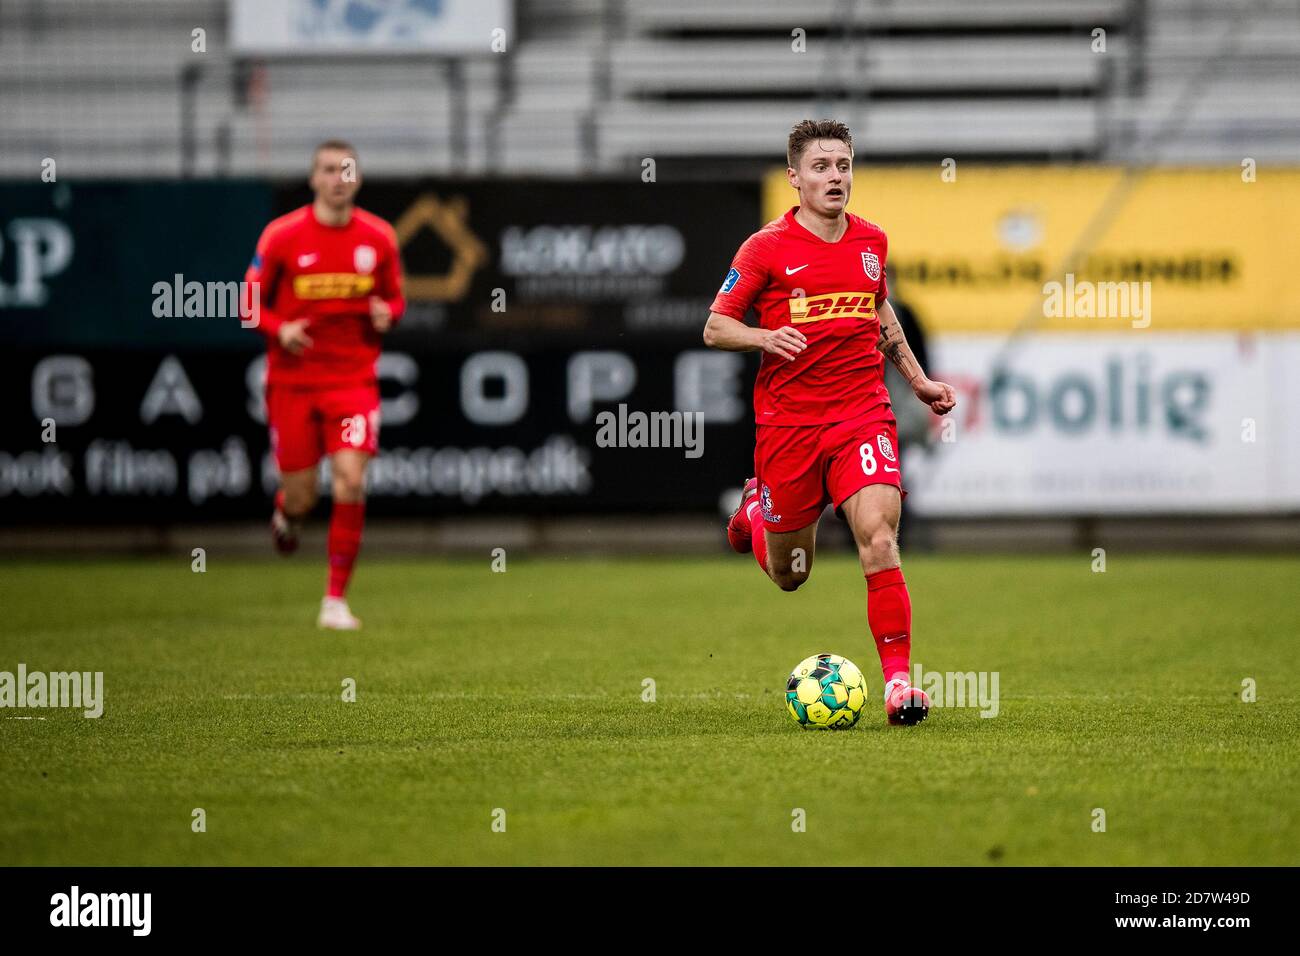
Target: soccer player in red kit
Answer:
pixel 329 285
pixel 825 432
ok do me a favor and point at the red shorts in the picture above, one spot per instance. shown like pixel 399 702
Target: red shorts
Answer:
pixel 802 468
pixel 308 423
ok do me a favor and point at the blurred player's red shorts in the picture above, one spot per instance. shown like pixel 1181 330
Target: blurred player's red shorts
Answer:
pixel 801 468
pixel 308 423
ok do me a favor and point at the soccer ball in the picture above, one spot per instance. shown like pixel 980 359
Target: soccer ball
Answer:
pixel 826 690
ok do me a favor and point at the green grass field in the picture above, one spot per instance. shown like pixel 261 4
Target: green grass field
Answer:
pixel 522 691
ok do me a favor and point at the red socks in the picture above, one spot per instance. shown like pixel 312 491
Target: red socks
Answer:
pixel 754 514
pixel 889 613
pixel 346 522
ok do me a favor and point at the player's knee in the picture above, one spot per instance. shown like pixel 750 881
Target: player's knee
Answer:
pixel 299 501
pixel 349 488
pixel 879 548
pixel 787 579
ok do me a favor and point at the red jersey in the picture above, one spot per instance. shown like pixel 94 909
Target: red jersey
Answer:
pixel 829 291
pixel 308 270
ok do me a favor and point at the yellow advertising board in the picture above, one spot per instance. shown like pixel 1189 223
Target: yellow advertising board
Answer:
pixel 1084 248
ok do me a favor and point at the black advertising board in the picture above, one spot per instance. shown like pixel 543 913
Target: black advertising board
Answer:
pixel 156 437
pixel 534 308
pixel 82 264
pixel 546 260
pixel 487 261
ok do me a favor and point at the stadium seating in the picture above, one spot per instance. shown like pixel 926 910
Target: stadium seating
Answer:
pixel 113 89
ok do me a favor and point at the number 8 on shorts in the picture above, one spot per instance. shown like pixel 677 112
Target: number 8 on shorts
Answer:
pixel 868 453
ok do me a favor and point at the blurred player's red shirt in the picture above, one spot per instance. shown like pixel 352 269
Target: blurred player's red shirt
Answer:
pixel 327 274
pixel 829 291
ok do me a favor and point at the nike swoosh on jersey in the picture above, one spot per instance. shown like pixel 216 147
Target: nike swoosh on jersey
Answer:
pixel 790 272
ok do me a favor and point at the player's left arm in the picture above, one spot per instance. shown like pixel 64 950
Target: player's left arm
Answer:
pixel 388 303
pixel 893 344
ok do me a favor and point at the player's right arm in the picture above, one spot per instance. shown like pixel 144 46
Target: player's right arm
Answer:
pixel 731 335
pixel 726 329
pixel 264 273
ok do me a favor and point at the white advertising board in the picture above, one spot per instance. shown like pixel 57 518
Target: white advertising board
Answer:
pixel 1115 424
pixel 287 27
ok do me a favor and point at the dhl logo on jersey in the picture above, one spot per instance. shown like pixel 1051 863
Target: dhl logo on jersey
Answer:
pixel 831 305
pixel 333 285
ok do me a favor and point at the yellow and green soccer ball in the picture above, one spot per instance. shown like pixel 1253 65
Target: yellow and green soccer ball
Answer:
pixel 826 690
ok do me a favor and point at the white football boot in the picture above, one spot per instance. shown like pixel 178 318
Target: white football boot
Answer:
pixel 335 616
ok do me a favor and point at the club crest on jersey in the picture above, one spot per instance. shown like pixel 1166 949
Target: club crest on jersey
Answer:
pixel 871 264
pixel 730 281
pixel 363 259
pixel 767 506
pixel 886 447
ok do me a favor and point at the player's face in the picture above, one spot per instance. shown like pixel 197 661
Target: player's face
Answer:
pixel 824 177
pixel 336 177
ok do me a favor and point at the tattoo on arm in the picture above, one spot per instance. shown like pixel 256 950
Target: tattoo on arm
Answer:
pixel 894 346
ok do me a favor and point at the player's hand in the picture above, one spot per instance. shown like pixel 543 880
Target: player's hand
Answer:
pixel 938 395
pixel 786 342
pixel 293 336
pixel 381 316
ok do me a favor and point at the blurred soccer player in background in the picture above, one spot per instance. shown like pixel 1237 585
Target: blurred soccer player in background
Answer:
pixel 329 277
pixel 825 429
